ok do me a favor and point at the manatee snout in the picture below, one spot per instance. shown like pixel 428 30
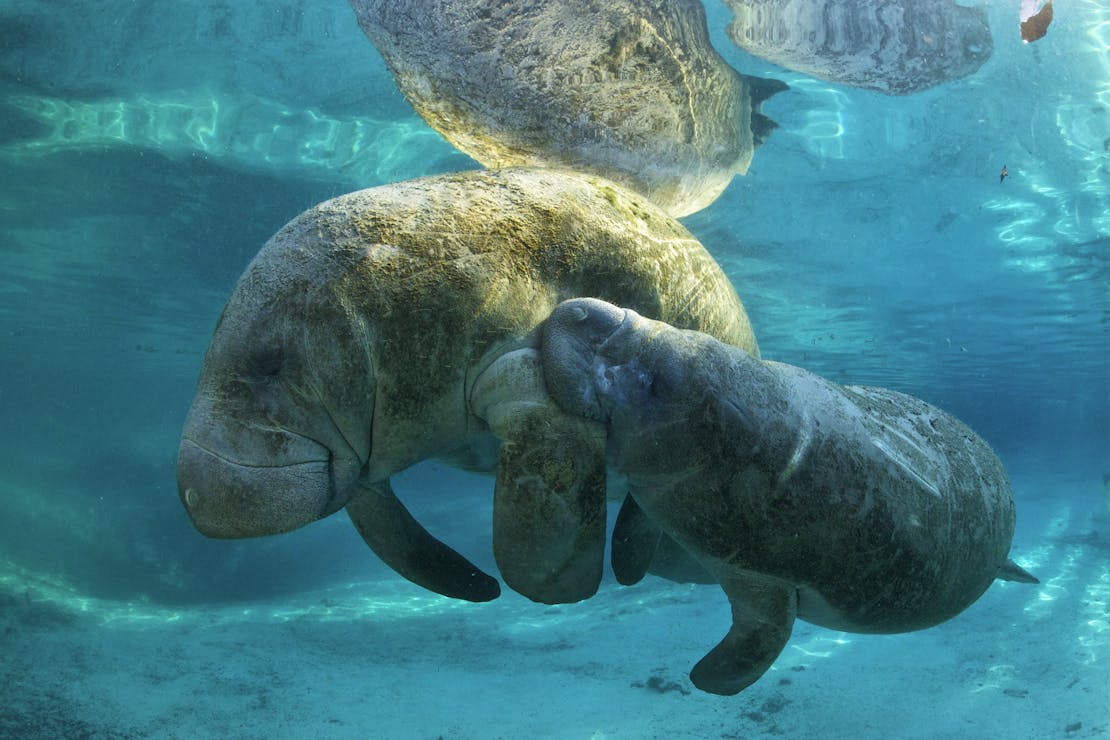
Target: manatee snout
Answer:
pixel 573 340
pixel 611 364
pixel 228 499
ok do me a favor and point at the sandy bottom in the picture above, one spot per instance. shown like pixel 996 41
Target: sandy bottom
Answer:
pixel 383 659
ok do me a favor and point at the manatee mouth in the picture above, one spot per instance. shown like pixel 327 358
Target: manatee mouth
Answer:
pixel 230 499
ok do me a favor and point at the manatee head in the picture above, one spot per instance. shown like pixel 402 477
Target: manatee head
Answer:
pixel 280 425
pixel 642 378
pixel 577 374
pixel 672 399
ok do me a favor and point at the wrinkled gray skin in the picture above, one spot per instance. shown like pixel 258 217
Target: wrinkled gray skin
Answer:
pixel 857 509
pixel 895 47
pixel 398 324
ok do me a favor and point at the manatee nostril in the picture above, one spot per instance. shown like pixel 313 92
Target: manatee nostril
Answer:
pixel 191 497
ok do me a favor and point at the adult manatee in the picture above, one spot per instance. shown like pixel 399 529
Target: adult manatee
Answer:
pixel 395 324
pixel 631 90
pixel 858 509
pixel 892 46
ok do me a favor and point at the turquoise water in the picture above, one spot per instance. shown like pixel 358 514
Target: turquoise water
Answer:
pixel 149 149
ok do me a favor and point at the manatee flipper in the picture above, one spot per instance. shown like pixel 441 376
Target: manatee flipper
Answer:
pixel 406 547
pixel 549 498
pixel 635 542
pixel 640 547
pixel 763 615
pixel 1011 571
pixel 673 562
pixel 762 89
pixel 549 515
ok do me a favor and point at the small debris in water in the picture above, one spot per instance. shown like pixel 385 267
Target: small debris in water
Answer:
pixel 1034 23
pixel 661 686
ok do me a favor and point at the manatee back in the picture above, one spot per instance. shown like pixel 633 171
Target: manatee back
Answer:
pixel 894 48
pixel 446 270
pixel 629 90
pixel 888 513
pixel 951 510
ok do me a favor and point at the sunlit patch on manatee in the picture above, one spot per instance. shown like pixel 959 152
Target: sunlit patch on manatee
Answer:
pixel 397 324
pixel 631 90
pixel 892 46
pixel 858 509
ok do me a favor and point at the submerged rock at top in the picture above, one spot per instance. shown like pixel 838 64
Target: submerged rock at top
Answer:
pixel 628 89
pixel 892 46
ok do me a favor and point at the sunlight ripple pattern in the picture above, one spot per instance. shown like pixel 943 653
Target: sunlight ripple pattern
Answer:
pixel 243 131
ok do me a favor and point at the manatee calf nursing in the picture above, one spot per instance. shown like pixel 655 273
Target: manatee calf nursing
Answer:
pixel 858 509
pixel 396 324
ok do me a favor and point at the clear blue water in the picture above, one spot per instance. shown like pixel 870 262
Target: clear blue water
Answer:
pixel 149 149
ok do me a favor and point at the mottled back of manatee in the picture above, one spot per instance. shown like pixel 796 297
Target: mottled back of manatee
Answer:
pixel 892 46
pixel 628 89
pixel 445 269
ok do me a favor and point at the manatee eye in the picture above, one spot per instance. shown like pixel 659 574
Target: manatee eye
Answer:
pixel 265 366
